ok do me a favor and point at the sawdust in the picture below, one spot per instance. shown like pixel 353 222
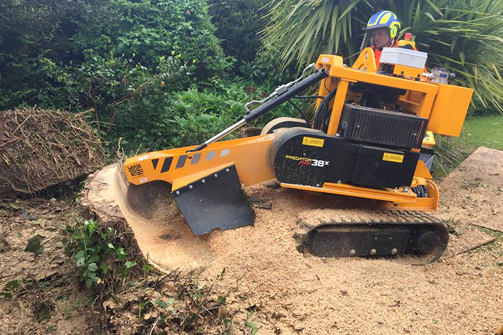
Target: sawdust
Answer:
pixel 282 291
pixel 296 293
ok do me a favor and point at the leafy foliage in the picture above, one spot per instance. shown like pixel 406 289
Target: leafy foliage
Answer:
pixel 238 23
pixel 119 60
pixel 464 36
pixel 199 115
pixel 51 50
pixel 304 29
pixel 126 98
pixel 171 302
pixel 146 29
pixel 265 70
pixel 98 254
pixel 191 116
pixel 141 69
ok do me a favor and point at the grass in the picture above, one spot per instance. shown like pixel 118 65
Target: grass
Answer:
pixel 493 246
pixel 484 131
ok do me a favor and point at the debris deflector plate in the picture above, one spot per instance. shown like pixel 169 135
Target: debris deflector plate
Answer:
pixel 215 201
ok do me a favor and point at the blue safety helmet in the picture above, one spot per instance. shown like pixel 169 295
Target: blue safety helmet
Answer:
pixel 385 19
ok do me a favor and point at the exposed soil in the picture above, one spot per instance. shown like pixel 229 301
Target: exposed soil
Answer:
pixel 279 290
pixel 472 192
pixel 45 297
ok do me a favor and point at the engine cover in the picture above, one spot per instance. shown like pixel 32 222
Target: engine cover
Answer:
pixel 310 157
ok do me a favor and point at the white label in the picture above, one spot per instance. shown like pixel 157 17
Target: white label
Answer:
pixel 142 158
pixel 143 180
pixel 325 59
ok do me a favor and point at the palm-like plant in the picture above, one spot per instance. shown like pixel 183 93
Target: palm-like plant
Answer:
pixel 465 36
pixel 302 29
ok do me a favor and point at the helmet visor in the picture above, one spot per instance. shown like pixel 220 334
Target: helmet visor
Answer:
pixel 379 38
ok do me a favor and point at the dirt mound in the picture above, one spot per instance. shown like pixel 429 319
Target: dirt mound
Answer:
pixel 41 148
pixel 282 291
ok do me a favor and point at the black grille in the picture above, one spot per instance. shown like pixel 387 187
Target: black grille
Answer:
pixel 378 126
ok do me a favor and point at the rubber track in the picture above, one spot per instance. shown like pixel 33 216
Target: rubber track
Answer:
pixel 309 221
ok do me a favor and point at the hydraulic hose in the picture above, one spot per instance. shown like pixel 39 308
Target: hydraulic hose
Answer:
pixel 268 106
pixel 321 116
pixel 287 95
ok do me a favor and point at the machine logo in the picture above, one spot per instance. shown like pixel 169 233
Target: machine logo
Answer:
pixel 308 161
pixel 135 170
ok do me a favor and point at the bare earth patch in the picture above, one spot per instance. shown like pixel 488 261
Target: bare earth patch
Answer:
pixel 281 291
pixel 39 292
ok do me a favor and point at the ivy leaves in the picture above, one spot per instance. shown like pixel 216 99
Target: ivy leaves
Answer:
pixel 95 252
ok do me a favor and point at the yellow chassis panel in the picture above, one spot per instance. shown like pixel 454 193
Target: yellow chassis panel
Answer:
pixel 181 168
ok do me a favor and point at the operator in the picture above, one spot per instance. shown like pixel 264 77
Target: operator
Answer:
pixel 382 30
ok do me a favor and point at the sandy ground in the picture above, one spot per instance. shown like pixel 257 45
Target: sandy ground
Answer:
pixel 282 291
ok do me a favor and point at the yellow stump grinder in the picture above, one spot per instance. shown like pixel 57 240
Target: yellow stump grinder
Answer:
pixel 371 138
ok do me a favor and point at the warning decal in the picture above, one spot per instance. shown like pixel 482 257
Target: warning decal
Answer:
pixel 392 157
pixel 314 142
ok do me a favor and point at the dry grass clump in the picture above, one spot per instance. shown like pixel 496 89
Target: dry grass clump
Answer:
pixel 41 148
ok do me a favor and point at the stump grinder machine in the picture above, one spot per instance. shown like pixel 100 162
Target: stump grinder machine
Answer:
pixel 371 137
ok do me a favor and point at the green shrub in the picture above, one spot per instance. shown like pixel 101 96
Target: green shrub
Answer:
pixel 160 121
pixel 144 30
pixel 50 50
pixel 265 70
pixel 192 116
pixel 238 24
pixel 131 63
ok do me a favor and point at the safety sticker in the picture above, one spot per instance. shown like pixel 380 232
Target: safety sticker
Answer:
pixel 314 142
pixel 389 157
